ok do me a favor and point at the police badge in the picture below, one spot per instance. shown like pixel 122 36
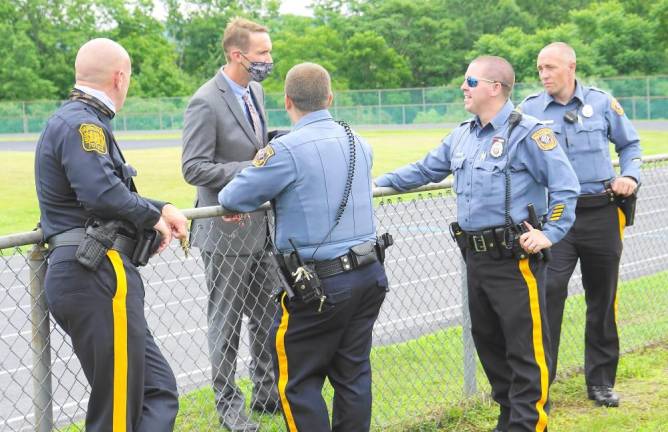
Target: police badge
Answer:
pixel 587 110
pixel 497 147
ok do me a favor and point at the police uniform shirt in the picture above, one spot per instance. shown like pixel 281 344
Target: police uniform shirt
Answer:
pixel 80 172
pixel 305 173
pixel 477 157
pixel 600 119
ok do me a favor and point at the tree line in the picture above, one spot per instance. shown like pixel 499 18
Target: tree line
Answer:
pixel 365 44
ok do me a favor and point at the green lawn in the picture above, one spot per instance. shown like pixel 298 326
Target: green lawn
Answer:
pixel 160 170
pixel 417 385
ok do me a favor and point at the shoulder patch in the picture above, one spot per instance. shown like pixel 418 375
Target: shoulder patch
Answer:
pixel 93 138
pixel 616 107
pixel 263 155
pixel 545 138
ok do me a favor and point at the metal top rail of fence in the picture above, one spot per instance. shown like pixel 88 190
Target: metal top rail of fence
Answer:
pixel 423 357
pixel 643 98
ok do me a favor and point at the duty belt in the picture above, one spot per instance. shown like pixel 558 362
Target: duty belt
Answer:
pixel 595 200
pixel 358 256
pixel 342 264
pixel 73 237
pixel 492 240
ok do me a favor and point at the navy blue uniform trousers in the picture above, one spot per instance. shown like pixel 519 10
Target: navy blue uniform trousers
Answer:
pixel 596 240
pixel 132 386
pixel 509 328
pixel 335 344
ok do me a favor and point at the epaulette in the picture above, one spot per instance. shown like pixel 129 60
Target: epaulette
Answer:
pixel 598 90
pixel 531 96
pixel 467 121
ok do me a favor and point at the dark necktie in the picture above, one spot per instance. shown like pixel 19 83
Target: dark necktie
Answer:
pixel 254 117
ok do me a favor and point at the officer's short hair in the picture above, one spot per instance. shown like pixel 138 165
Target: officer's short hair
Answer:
pixel 498 69
pixel 566 50
pixel 309 87
pixel 237 34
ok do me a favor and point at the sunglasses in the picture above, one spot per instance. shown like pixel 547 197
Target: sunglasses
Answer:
pixel 473 81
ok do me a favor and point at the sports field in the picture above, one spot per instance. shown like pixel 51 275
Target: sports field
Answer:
pixel 160 169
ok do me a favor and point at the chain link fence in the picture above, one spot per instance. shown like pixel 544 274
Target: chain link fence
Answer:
pixel 423 357
pixel 643 98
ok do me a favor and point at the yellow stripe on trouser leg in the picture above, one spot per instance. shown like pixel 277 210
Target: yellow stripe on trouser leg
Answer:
pixel 538 349
pixel 120 313
pixel 283 367
pixel 622 225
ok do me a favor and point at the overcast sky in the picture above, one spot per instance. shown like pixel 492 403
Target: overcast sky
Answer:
pixel 295 7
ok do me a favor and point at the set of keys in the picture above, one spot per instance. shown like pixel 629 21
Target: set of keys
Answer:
pixel 185 246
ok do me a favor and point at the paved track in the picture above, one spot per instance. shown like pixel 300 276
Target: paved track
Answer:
pixel 27 142
pixel 425 278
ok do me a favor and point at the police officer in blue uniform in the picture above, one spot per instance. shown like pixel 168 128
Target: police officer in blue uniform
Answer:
pixel 585 119
pixel 504 165
pixel 318 178
pixel 93 287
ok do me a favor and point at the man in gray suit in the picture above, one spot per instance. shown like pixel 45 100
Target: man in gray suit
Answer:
pixel 224 127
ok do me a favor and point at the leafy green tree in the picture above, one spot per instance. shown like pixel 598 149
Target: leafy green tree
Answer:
pixel 521 50
pixel 318 44
pixel 154 58
pixel 625 42
pixel 369 63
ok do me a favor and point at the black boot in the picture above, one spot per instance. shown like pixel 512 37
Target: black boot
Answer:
pixel 603 396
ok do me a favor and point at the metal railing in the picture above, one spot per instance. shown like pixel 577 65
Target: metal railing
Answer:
pixel 423 357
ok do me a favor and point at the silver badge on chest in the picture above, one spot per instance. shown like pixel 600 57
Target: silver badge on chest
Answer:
pixel 497 147
pixel 587 111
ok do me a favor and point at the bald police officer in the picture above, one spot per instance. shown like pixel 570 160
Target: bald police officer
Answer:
pixel 502 163
pixel 585 119
pixel 81 176
pixel 319 180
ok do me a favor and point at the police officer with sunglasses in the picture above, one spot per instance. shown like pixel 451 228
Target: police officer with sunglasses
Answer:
pixel 510 175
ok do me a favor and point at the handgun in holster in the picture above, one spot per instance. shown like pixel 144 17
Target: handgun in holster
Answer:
pixel 459 236
pixel 627 204
pixel 546 253
pixel 98 239
pixel 383 242
pixel 148 242
pixel 283 275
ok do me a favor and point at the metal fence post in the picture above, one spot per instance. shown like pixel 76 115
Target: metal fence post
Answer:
pixel 25 118
pixel 469 355
pixel 41 344
pixel 649 102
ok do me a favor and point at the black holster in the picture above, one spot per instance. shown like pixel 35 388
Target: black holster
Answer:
pixel 148 242
pixel 628 206
pixel 383 242
pixel 284 277
pixel 99 238
pixel 459 236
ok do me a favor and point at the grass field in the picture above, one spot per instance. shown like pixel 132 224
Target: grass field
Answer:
pixel 417 384
pixel 160 170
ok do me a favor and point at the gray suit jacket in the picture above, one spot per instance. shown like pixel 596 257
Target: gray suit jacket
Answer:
pixel 218 142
